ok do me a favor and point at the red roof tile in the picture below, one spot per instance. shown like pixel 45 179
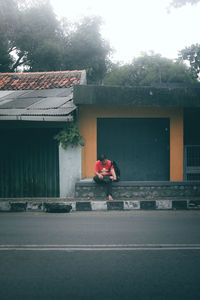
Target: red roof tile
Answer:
pixel 39 80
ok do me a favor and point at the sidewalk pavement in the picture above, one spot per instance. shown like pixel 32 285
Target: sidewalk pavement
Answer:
pixel 65 205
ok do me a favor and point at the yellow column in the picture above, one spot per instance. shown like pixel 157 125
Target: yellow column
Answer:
pixel 88 129
pixel 176 146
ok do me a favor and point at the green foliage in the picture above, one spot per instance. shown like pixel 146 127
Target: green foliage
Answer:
pixel 192 55
pixel 37 41
pixel 34 39
pixel 69 136
pixel 8 20
pixel 5 59
pixel 86 49
pixel 180 3
pixel 149 69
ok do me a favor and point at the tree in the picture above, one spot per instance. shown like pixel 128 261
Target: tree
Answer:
pixel 86 49
pixel 192 55
pixel 8 21
pixel 38 44
pixel 34 40
pixel 149 69
pixel 21 24
pixel 179 3
pixel 24 24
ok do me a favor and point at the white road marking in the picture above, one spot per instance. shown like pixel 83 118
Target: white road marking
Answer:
pixel 117 247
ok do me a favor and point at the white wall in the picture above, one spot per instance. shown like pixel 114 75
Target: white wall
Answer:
pixel 69 170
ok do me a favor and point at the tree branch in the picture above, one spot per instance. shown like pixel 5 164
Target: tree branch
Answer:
pixel 18 63
pixel 11 49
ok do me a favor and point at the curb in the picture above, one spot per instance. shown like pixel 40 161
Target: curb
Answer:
pixel 77 205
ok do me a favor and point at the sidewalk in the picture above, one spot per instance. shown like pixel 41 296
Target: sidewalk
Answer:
pixel 66 205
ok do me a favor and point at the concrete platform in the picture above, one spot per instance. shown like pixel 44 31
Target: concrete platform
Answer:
pixel 128 195
pixel 137 190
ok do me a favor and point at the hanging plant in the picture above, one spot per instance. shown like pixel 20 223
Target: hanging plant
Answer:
pixel 69 136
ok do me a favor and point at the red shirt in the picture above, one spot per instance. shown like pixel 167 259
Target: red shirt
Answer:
pixel 100 168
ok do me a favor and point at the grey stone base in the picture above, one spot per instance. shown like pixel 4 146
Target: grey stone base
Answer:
pixel 81 205
pixel 85 189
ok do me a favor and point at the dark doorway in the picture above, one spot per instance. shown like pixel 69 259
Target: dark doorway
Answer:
pixel 139 145
pixel 29 163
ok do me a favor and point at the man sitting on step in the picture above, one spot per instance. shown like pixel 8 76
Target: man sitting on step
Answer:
pixel 105 173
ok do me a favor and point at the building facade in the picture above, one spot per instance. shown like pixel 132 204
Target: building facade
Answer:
pixel 152 133
pixel 148 131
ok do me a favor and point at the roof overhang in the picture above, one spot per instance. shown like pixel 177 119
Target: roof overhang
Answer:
pixel 37 118
pixel 137 96
pixel 37 105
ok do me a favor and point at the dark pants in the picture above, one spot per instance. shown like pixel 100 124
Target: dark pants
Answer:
pixel 107 181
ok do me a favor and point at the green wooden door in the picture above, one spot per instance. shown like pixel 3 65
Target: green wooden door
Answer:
pixel 29 164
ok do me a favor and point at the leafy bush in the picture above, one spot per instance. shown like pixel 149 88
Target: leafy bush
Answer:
pixel 69 136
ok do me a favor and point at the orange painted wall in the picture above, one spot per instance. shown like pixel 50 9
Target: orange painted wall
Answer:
pixel 88 115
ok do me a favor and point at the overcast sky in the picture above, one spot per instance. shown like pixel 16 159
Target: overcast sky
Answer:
pixel 133 26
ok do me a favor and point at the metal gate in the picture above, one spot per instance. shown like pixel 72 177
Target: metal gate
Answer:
pixel 29 165
pixel 192 162
pixel 139 145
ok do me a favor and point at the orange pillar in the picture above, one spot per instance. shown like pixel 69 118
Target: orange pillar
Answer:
pixel 176 146
pixel 88 129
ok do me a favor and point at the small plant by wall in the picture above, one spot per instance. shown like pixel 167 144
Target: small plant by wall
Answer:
pixel 69 136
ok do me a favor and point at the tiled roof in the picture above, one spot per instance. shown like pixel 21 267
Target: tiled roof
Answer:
pixel 41 80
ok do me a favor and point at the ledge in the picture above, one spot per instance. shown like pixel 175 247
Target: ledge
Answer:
pixel 89 182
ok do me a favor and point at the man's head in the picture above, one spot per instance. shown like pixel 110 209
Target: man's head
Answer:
pixel 103 159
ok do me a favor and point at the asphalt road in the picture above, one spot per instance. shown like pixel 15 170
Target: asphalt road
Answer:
pixel 105 255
